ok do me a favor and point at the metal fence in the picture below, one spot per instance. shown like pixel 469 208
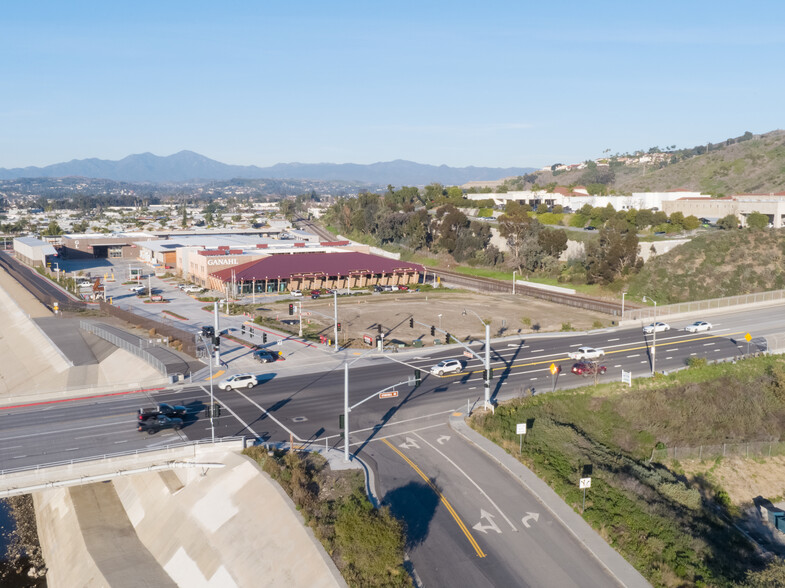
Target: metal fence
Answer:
pixel 170 331
pixel 649 312
pixel 750 449
pixel 107 456
pixel 123 344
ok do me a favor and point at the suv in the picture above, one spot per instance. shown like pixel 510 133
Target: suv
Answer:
pixel 588 369
pixel 238 381
pixel 447 366
pixel 264 356
pixel 158 422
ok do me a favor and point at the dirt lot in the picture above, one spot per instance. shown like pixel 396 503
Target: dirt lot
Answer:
pixel 508 315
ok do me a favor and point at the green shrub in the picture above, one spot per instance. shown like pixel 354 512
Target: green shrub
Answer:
pixel 485 213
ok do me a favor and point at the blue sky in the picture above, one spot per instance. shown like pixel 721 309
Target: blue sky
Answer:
pixel 458 83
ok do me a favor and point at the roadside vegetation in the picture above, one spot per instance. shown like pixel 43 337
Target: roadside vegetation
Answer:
pixel 366 543
pixel 674 530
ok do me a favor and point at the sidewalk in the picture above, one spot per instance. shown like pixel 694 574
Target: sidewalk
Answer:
pixel 616 565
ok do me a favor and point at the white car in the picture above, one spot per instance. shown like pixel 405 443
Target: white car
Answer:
pixel 447 366
pixel 656 328
pixel 296 292
pixel 238 381
pixel 137 289
pixel 698 326
pixel 586 353
pixel 193 289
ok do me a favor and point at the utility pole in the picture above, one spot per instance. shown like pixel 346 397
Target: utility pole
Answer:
pixel 335 323
pixel 217 350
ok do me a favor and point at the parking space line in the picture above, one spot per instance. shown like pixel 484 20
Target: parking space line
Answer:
pixel 442 498
pixel 457 467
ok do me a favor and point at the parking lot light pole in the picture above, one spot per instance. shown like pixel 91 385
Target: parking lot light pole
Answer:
pixel 487 376
pixel 654 339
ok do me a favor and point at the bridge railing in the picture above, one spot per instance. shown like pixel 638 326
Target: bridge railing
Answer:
pixel 123 344
pixel 109 456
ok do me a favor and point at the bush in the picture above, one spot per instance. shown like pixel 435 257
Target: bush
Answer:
pixel 485 213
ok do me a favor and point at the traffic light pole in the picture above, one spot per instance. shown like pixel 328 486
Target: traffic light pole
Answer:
pixel 212 397
pixel 335 324
pixel 217 334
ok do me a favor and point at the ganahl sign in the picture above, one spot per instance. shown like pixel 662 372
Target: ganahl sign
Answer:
pixel 223 261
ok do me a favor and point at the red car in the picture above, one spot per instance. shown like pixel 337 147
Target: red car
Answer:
pixel 588 369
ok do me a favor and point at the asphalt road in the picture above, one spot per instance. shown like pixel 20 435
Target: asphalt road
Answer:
pixel 443 489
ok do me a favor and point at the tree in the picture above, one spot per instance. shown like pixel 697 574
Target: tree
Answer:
pixel 53 229
pixel 542 208
pixel 553 241
pixel 757 220
pixel 691 222
pixel 613 254
pixel 677 219
pixel 728 222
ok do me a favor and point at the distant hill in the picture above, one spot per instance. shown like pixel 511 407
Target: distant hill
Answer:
pixel 714 265
pixel 734 166
pixel 187 165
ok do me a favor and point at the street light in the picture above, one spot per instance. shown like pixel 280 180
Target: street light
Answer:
pixel 513 280
pixel 487 356
pixel 440 322
pixel 212 398
pixel 654 339
pixel 623 294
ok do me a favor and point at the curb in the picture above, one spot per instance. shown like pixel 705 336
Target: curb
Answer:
pixel 624 573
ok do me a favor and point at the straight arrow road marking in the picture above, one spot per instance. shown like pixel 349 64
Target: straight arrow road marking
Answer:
pixel 491 523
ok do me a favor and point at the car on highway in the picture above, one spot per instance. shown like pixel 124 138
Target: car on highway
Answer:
pixel 296 292
pixel 447 366
pixel 585 368
pixel 586 353
pixel 656 328
pixel 263 356
pixel 698 326
pixel 158 422
pixel 238 381
pixel 177 411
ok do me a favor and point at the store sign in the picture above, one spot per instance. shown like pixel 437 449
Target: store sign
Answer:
pixel 229 261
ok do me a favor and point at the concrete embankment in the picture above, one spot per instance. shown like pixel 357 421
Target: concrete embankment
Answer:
pixel 189 526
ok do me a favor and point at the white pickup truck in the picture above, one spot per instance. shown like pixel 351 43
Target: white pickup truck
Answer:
pixel 586 353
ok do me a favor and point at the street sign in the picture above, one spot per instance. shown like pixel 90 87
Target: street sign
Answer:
pixel 520 429
pixel 553 368
pixel 468 354
pixel 748 337
pixel 626 377
pixel 584 483
pixel 390 394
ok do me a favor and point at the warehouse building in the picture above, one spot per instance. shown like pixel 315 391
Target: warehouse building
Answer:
pixel 305 271
pixel 33 252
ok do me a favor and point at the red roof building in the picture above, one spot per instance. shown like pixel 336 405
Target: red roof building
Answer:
pixel 303 271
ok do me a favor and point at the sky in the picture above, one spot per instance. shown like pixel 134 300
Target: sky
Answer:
pixel 492 83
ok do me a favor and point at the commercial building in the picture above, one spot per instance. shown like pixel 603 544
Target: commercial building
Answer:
pixel 110 245
pixel 578 197
pixel 33 252
pixel 305 271
pixel 739 205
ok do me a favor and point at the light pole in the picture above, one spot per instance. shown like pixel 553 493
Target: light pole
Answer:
pixel 654 339
pixel 624 292
pixel 212 398
pixel 487 376
pixel 440 322
pixel 335 323
pixel 513 280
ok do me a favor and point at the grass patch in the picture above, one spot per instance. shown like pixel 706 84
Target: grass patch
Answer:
pixel 673 532
pixel 366 544
pixel 174 315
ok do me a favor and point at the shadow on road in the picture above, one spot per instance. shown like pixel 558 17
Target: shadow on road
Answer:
pixel 414 503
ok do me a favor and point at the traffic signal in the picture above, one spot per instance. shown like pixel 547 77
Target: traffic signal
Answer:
pixel 217 410
pixel 242 328
pixel 291 309
pixel 417 377
pixel 340 421
pixel 411 323
pixel 250 332
pixel 489 374
pixel 433 330
pixel 378 328
pixel 446 338
pixel 339 327
pixel 264 337
pixel 207 411
pixel 217 341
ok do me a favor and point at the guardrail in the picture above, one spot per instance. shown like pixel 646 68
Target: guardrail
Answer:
pixel 107 456
pixel 648 313
pixel 123 344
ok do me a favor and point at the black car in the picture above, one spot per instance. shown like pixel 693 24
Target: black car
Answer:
pixel 264 357
pixel 590 228
pixel 168 410
pixel 155 424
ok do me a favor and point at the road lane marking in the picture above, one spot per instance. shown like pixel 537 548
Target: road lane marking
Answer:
pixel 442 498
pixel 674 349
pixel 270 416
pixel 64 430
pixel 707 344
pixel 671 357
pixel 476 485
pixel 234 414
pixel 634 355
pixel 616 339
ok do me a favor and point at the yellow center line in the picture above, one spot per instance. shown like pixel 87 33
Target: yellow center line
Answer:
pixel 445 502
pixel 553 359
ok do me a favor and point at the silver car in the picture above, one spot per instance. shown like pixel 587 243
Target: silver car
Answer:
pixel 447 366
pixel 698 326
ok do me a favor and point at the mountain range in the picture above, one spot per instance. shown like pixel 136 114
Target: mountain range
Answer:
pixel 188 166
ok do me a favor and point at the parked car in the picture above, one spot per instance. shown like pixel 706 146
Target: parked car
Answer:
pixel 447 366
pixel 263 356
pixel 403 288
pixel 698 326
pixel 583 368
pixel 158 422
pixel 586 353
pixel 193 289
pixel 296 292
pixel 590 228
pixel 238 381
pixel 656 328
pixel 378 288
pixel 177 411
pixel 138 289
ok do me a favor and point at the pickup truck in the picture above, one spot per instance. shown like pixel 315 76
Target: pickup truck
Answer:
pixel 586 353
pixel 168 410
pixel 156 423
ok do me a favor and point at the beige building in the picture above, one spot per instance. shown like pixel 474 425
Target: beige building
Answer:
pixel 740 205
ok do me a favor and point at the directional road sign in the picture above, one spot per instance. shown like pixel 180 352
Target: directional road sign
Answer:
pixel 390 394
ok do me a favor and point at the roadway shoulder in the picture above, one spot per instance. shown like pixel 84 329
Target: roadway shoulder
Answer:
pixel 616 565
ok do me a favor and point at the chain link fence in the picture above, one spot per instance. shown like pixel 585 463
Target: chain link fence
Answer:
pixel 649 312
pixel 750 449
pixel 185 338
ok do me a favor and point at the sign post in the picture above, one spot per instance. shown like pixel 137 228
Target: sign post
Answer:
pixel 554 370
pixel 748 337
pixel 583 484
pixel 520 429
pixel 626 378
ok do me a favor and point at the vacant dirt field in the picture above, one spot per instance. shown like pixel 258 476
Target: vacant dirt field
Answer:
pixel 508 315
